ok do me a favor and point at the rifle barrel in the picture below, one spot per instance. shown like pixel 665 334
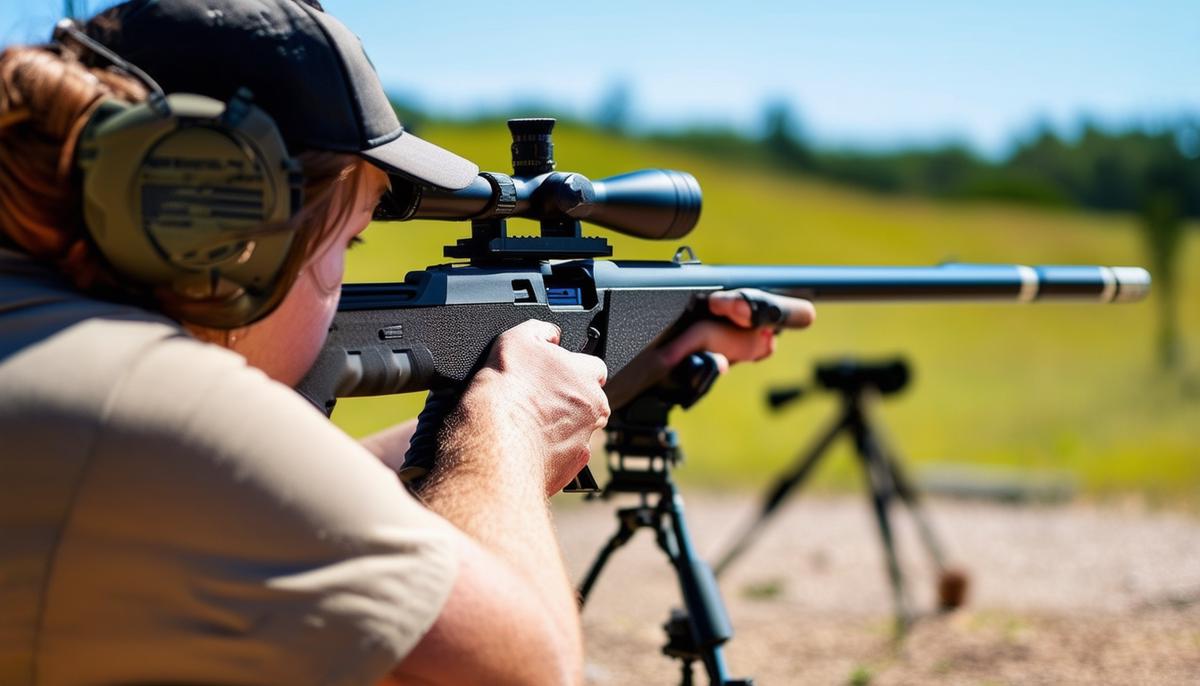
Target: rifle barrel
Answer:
pixel 953 281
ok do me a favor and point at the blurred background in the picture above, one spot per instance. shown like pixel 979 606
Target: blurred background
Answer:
pixel 860 133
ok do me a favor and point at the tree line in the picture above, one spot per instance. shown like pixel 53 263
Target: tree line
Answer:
pixel 1151 172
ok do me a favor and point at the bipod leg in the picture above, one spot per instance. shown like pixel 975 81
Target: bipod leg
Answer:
pixel 704 615
pixel 879 481
pixel 907 493
pixel 952 582
pixel 912 501
pixel 629 520
pixel 779 492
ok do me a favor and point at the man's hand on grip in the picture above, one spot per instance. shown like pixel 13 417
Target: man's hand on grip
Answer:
pixel 553 398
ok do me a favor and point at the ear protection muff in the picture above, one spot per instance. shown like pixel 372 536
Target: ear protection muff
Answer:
pixel 192 195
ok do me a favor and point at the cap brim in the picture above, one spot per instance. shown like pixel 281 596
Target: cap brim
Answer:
pixel 424 162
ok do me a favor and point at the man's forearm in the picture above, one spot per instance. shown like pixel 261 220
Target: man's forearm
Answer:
pixel 488 482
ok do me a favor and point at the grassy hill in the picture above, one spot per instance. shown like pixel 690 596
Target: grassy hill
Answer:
pixel 1050 386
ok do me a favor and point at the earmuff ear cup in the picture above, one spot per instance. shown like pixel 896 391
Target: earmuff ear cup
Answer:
pixel 192 196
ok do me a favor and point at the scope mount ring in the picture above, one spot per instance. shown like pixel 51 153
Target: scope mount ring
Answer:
pixel 506 193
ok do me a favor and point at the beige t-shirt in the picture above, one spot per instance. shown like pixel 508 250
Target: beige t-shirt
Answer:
pixel 170 515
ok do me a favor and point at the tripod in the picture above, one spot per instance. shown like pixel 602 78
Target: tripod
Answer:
pixel 858 383
pixel 642 451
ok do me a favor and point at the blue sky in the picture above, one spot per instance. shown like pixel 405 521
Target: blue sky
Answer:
pixel 875 74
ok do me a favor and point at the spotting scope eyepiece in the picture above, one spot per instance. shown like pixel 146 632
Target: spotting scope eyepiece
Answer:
pixel 658 204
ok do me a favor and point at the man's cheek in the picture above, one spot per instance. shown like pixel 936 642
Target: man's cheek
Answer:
pixel 329 269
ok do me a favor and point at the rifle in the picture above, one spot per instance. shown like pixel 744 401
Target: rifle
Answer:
pixel 432 331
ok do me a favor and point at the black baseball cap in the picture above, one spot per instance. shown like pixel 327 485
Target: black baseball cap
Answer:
pixel 303 66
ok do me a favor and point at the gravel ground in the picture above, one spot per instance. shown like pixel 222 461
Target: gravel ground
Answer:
pixel 1059 595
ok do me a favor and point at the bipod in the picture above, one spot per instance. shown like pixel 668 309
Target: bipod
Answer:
pixel 642 450
pixel 859 384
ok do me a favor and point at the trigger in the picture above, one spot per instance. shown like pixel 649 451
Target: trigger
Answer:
pixel 592 342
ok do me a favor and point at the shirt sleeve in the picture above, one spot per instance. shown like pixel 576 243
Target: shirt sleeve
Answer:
pixel 226 532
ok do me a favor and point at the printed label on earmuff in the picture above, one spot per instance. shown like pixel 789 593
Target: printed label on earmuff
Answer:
pixel 171 215
pixel 200 210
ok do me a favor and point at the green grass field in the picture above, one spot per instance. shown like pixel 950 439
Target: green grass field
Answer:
pixel 1065 387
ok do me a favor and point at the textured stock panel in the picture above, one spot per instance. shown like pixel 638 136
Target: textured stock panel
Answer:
pixel 454 337
pixel 446 344
pixel 636 318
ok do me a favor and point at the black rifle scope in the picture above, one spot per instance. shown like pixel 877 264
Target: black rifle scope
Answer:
pixel 650 203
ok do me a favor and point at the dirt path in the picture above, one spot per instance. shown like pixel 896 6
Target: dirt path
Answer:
pixel 1061 595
